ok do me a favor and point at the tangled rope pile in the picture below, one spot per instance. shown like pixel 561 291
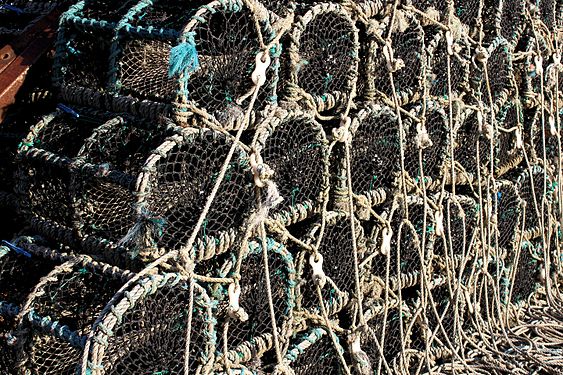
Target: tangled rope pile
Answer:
pixel 244 186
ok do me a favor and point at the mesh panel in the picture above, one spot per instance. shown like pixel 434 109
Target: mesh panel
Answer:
pixel 106 10
pixel 73 296
pixel 183 179
pixel 509 208
pixel 18 276
pixel 499 69
pixel 44 179
pixel 84 59
pixel 144 71
pixel 444 323
pixel 508 153
pixel 324 59
pixel 254 297
pixel 150 336
pixel 105 208
pixel 295 147
pixel 407 41
pixel 318 358
pixel 473 148
pixel 388 333
pixel 536 192
pixel 433 156
pixel 525 278
pixel 227 44
pixel 438 65
pixel 374 150
pixel 338 263
pixel 468 12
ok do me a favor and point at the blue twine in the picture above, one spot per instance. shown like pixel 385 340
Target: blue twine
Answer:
pixel 183 58
pixel 15 248
pixel 12 8
pixel 68 110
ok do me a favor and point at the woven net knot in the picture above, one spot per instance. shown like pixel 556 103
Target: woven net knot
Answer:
pixel 261 171
pixel 481 55
pixel 342 133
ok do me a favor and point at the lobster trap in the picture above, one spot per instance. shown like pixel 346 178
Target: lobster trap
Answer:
pixel 127 183
pixel 150 328
pixel 249 338
pixel 224 57
pixel 334 259
pixel 397 69
pixel 58 314
pixel 20 271
pixel 323 55
pixel 295 146
pixel 376 143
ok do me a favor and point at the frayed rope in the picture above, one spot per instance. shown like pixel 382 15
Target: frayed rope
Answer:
pixel 183 58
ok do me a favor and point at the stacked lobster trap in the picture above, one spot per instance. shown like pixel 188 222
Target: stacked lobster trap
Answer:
pixel 244 186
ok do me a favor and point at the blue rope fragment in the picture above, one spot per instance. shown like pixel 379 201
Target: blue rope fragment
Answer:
pixel 12 8
pixel 183 58
pixel 15 248
pixel 68 110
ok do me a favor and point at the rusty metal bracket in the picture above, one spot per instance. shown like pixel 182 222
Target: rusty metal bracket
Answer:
pixel 21 53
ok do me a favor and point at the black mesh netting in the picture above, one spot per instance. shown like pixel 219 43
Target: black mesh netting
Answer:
pixel 184 178
pixel 106 10
pixel 438 68
pixel 499 71
pixel 169 14
pixel 467 11
pixel 473 147
pixel 460 220
pixel 18 276
pixel 407 42
pixel 73 296
pixel 338 264
pixel 324 53
pixel 320 358
pixel 435 154
pixel 254 297
pixel 525 280
pixel 227 44
pixel 144 69
pixel 296 150
pixel 513 19
pixel 105 207
pixel 537 192
pixel 44 180
pixel 374 150
pixel 151 336
pixel 443 325
pixel 509 216
pixel 386 331
pixel 508 154
pixel 83 60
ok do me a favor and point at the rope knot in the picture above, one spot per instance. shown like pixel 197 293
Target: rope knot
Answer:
pixel 319 277
pixel 422 138
pixel 361 359
pixel 283 368
pixel 481 55
pixel 261 171
pixel 342 133
pixel 393 64
pixel 234 310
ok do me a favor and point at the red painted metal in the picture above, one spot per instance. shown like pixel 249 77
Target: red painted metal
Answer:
pixel 21 53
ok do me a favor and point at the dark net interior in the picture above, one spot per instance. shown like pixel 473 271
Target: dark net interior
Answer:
pixel 254 298
pixel 183 180
pixel 227 44
pixel 320 356
pixel 338 265
pixel 74 297
pixel 326 49
pixel 374 150
pixel 150 339
pixel 105 207
pixel 296 151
